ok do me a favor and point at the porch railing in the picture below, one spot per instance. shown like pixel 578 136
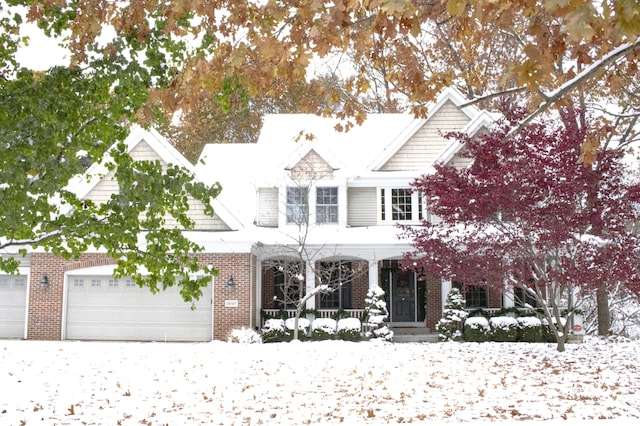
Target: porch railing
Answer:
pixel 324 313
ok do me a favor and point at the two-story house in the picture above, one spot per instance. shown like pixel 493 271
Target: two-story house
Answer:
pixel 303 187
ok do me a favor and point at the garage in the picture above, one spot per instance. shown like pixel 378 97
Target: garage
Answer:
pixel 13 305
pixel 100 307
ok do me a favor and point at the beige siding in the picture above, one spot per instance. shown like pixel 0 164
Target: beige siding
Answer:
pixel 268 207
pixel 362 207
pixel 144 152
pixel 427 143
pixel 459 162
pixel 312 167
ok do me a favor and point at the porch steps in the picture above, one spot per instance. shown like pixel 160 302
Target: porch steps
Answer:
pixel 413 335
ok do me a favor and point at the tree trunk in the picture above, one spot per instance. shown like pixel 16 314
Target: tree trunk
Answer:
pixel 561 341
pixel 604 316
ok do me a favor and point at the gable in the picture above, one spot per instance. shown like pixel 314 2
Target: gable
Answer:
pixel 311 167
pixel 149 147
pixel 426 144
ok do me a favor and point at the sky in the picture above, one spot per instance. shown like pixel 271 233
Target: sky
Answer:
pixel 327 382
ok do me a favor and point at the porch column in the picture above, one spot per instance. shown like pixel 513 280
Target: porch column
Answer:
pixel 446 288
pixel 373 274
pixel 509 299
pixel 310 283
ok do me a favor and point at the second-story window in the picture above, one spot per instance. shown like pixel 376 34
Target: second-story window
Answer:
pixel 327 205
pixel 400 205
pixel 297 205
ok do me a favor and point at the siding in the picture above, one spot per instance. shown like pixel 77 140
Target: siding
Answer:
pixel 361 207
pixel 427 143
pixel 102 192
pixel 312 167
pixel 268 207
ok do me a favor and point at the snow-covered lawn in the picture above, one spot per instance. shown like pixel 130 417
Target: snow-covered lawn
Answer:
pixel 328 382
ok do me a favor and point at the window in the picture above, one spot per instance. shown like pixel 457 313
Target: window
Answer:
pixel 289 284
pixel 326 205
pixel 337 275
pixel 474 296
pixel 130 283
pixel 19 282
pixel 401 205
pixel 78 283
pixel 113 283
pixel 95 283
pixel 523 299
pixel 4 282
pixel 297 205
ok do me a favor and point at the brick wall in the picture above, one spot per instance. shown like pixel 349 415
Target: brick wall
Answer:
pixel 46 304
pixel 434 301
pixel 233 308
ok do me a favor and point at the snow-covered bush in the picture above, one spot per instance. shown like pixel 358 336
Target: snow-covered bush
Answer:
pixel 274 331
pixel 323 328
pixel 529 329
pixel 476 329
pixel 303 326
pixel 375 315
pixel 449 327
pixel 503 329
pixel 244 335
pixel 349 329
pixel 547 334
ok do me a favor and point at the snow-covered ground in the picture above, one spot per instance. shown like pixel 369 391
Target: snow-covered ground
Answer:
pixel 115 383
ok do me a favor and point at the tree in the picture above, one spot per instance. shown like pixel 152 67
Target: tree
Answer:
pixel 201 50
pixel 375 314
pixel 529 214
pixel 55 124
pixel 449 327
pixel 329 273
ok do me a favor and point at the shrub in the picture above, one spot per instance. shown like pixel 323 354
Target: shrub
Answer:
pixel 349 329
pixel 274 331
pixel 244 335
pixel 303 327
pixel 453 314
pixel 476 329
pixel 323 329
pixel 375 315
pixel 547 334
pixel 504 329
pixel 529 329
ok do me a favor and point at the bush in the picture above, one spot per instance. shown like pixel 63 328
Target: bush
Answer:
pixel 547 334
pixel 375 315
pixel 504 329
pixel 476 329
pixel 453 314
pixel 529 329
pixel 274 331
pixel 349 329
pixel 244 335
pixel 303 327
pixel 323 329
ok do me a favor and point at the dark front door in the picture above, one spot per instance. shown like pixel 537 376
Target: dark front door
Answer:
pixel 403 296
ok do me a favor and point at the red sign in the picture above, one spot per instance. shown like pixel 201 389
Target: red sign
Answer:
pixel 577 328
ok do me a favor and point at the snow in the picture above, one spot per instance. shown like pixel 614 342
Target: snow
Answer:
pixel 324 382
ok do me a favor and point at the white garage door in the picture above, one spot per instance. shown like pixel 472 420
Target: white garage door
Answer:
pixel 13 303
pixel 103 308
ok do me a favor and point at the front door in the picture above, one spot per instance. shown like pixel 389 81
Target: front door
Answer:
pixel 403 296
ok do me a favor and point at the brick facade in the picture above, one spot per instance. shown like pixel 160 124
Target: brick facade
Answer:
pixel 45 316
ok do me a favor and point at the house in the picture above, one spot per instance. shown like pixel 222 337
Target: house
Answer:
pixel 343 193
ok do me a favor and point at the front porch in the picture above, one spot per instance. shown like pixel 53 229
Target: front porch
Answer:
pixel 411 299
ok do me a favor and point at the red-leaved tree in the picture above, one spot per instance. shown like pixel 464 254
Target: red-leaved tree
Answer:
pixel 528 213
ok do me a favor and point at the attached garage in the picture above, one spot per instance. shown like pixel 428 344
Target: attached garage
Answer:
pixel 100 307
pixel 13 305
